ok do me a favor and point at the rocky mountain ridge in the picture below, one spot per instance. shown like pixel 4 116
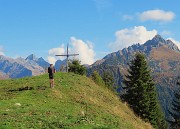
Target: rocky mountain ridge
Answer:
pixel 20 67
pixel 126 54
pixel 163 57
pixel 40 61
pixel 30 66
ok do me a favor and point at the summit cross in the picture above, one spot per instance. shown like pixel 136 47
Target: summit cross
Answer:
pixel 67 57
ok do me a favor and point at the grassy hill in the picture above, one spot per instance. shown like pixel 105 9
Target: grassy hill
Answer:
pixel 76 102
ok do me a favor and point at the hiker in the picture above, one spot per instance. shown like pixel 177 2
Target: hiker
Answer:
pixel 51 71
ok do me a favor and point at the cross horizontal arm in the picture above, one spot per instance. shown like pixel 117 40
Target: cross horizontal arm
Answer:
pixel 68 55
pixel 73 54
pixel 61 55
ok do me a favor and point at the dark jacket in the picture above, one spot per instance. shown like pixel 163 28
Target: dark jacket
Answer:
pixel 51 70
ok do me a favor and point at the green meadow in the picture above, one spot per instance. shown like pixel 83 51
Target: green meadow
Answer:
pixel 76 102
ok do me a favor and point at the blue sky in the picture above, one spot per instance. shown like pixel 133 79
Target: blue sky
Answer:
pixel 93 28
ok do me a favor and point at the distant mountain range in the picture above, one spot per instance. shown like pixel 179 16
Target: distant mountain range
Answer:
pixel 20 67
pixel 163 57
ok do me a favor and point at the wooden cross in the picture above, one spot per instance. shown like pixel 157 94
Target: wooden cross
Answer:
pixel 67 57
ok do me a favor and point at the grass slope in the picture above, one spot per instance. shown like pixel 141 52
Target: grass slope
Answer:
pixel 76 102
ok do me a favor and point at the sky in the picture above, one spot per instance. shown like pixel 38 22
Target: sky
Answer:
pixel 92 28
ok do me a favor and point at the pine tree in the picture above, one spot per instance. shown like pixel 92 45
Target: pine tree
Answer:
pixel 175 109
pixel 140 91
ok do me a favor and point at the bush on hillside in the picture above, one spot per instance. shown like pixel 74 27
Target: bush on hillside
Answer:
pixel 97 78
pixel 76 67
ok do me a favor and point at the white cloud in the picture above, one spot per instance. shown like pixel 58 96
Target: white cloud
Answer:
pixel 127 37
pixel 1 50
pixel 51 59
pixel 127 17
pixel 175 41
pixel 84 49
pixel 157 15
pixel 56 51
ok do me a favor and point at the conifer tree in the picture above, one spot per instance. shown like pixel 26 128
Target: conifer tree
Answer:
pixel 140 91
pixel 175 109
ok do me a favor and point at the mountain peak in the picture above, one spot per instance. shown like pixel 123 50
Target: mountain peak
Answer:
pixel 31 57
pixel 157 36
pixel 158 39
pixel 41 59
